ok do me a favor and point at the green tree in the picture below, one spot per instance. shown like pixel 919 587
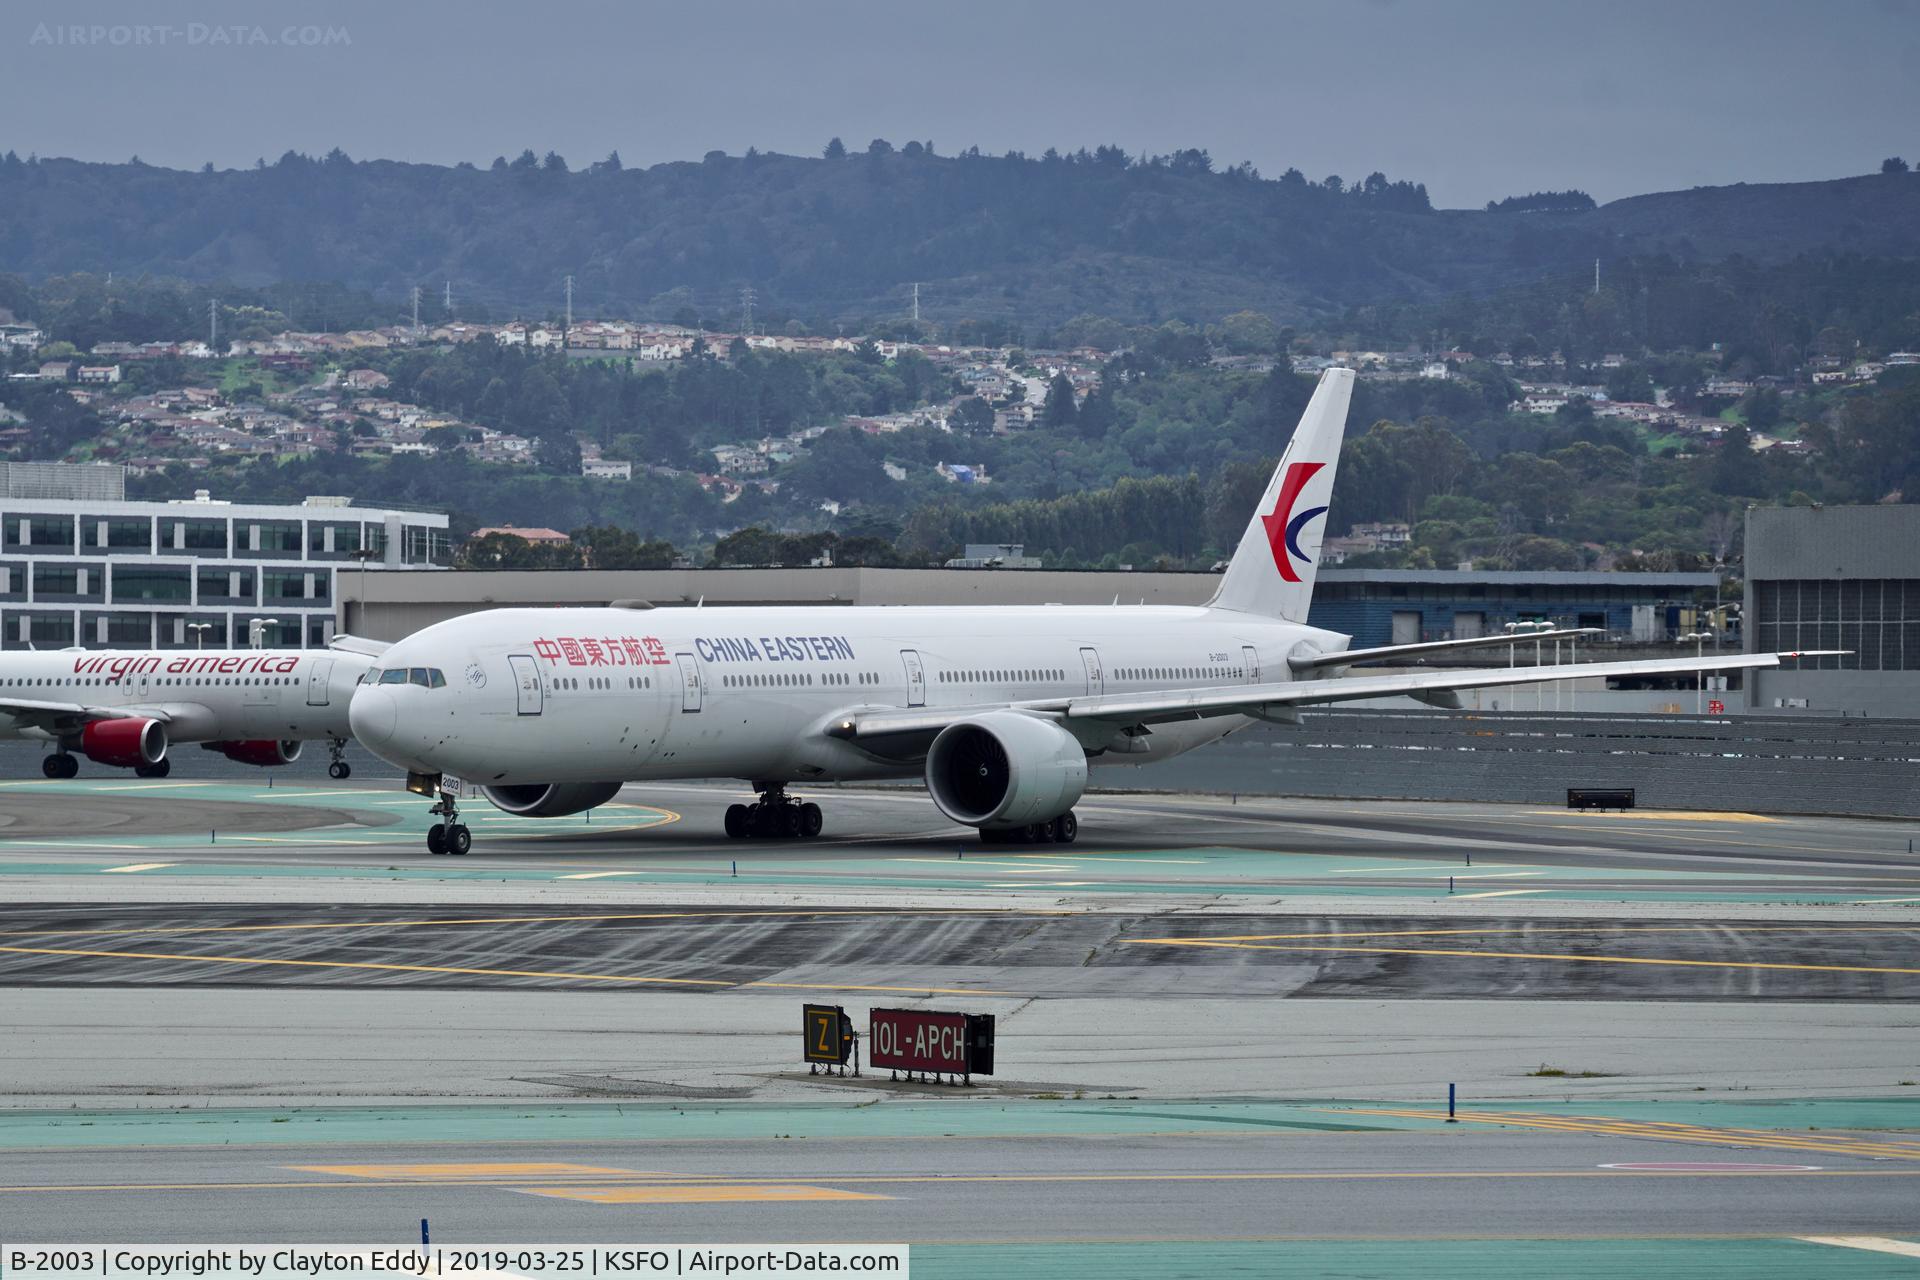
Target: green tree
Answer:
pixel 836 149
pixel 509 551
pixel 1761 408
pixel 972 416
pixel 1059 409
pixel 1247 333
pixel 611 547
pixel 1893 164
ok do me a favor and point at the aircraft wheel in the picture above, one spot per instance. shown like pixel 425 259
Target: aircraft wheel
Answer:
pixel 60 765
pixel 158 769
pixel 787 821
pixel 737 821
pixel 811 820
pixel 437 838
pixel 339 769
pixel 992 835
pixel 1066 828
pixel 459 839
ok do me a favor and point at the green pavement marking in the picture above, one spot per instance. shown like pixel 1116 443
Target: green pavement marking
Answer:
pixel 395 823
pixel 970 1118
pixel 1783 1259
pixel 1889 1114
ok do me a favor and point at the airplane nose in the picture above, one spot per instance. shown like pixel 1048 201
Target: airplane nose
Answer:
pixel 373 717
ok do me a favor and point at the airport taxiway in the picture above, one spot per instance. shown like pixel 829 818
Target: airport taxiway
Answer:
pixel 242 1011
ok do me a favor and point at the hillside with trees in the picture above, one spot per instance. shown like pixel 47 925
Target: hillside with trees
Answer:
pixel 838 239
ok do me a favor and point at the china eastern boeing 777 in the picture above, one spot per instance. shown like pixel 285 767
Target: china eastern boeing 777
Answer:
pixel 1000 709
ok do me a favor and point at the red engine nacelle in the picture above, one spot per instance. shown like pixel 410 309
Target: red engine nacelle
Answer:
pixel 126 744
pixel 264 752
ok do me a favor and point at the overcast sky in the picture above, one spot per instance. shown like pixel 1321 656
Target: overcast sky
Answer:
pixel 1479 99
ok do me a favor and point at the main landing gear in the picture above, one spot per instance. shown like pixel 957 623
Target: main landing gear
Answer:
pixel 60 765
pixel 450 836
pixel 158 769
pixel 1064 829
pixel 337 748
pixel 776 816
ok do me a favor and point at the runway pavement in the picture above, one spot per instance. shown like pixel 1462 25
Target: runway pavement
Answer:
pixel 1225 1029
pixel 1051 1177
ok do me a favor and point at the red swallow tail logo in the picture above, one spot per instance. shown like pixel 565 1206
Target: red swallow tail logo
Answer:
pixel 1283 526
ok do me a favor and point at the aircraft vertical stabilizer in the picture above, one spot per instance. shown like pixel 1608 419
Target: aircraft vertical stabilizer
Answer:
pixel 1271 573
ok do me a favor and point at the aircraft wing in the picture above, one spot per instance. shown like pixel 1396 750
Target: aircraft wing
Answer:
pixel 1386 653
pixel 65 717
pixel 1258 700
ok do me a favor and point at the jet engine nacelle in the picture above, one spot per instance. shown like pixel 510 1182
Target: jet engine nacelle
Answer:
pixel 127 743
pixel 1005 769
pixel 267 752
pixel 552 799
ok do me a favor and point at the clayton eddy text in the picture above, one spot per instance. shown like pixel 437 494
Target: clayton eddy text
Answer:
pixel 161 1265
pixel 126 1262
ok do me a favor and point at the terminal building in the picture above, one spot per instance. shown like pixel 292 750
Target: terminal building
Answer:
pixel 1836 578
pixel 1404 606
pixel 1374 606
pixel 82 565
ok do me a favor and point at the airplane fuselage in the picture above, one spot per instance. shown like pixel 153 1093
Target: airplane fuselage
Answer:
pixel 560 695
pixel 206 695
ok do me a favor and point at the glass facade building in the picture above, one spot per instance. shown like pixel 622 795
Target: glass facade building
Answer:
pixel 99 571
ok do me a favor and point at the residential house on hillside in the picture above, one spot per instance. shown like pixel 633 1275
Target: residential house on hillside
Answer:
pixel 536 535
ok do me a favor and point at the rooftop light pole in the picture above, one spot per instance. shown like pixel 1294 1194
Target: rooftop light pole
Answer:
pixel 1699 639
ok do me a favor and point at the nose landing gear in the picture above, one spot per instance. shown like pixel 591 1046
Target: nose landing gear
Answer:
pixel 450 836
pixel 776 816
pixel 337 748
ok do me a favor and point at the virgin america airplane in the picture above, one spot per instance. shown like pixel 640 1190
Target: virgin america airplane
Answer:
pixel 1000 709
pixel 125 709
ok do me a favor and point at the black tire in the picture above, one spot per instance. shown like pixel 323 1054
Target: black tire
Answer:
pixel 339 769
pixel 992 835
pixel 1066 828
pixel 737 821
pixel 811 820
pixel 789 821
pixel 459 839
pixel 437 838
pixel 51 766
pixel 158 769
pixel 64 766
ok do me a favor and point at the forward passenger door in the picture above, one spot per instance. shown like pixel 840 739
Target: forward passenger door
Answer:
pixel 530 696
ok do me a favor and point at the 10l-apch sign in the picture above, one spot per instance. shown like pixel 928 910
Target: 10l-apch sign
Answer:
pixel 959 1044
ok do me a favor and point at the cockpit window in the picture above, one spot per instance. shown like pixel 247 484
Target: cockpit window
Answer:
pixel 425 677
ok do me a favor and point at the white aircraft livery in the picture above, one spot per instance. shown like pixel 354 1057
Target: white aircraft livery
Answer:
pixel 125 708
pixel 1000 709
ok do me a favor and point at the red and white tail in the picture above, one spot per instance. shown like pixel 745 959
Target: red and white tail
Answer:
pixel 1271 573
